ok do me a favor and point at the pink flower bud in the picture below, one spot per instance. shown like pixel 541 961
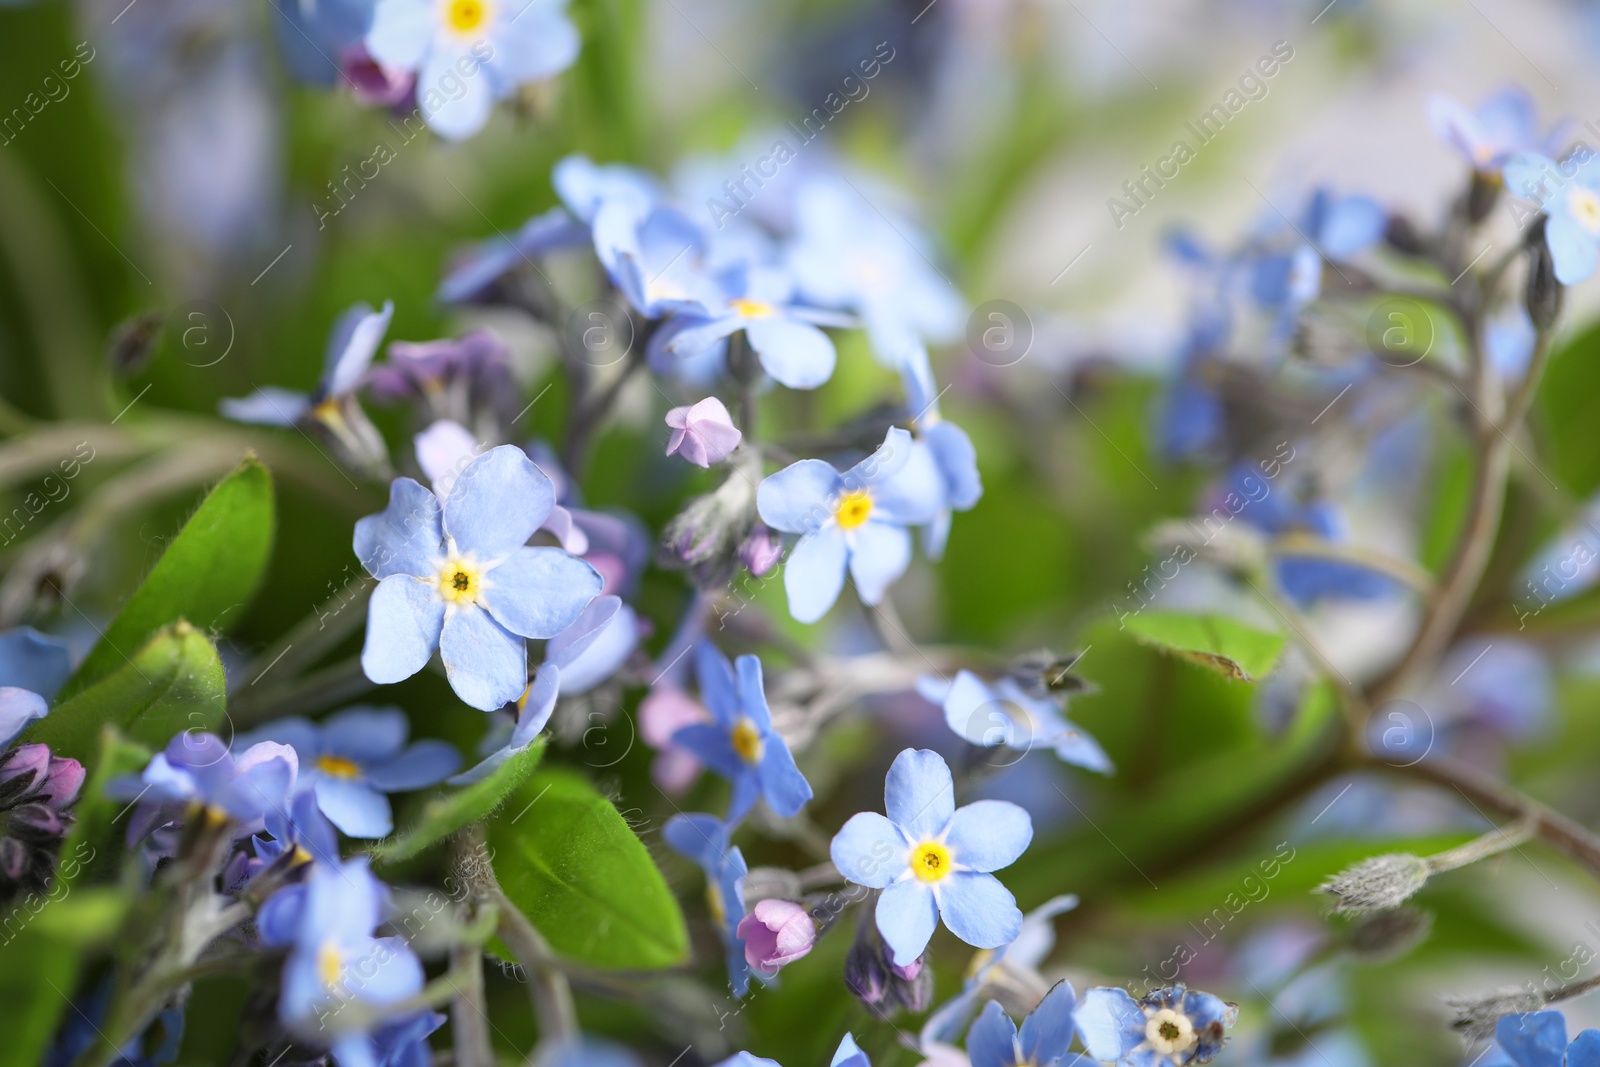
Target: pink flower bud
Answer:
pixel 703 434
pixel 910 971
pixel 761 550
pixel 61 783
pixel 776 932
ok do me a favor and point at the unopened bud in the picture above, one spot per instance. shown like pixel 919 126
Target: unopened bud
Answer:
pixel 1402 236
pixel 912 986
pixel 1387 935
pixel 761 550
pixel 1544 292
pixel 1482 194
pixel 1474 1018
pixel 866 973
pixel 1377 884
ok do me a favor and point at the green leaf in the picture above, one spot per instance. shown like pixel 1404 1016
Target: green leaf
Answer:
pixel 210 570
pixel 39 974
pixel 449 813
pixel 95 812
pixel 1216 641
pixel 566 858
pixel 174 683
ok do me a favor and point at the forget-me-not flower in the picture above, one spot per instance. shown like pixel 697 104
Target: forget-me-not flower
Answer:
pixel 1171 1027
pixel 351 346
pixel 198 768
pixel 1003 714
pixel 1539 1039
pixel 848 1054
pixel 1486 136
pixel 1569 194
pixel 480 266
pixel 784 335
pixel 33 668
pixel 933 860
pixel 704 839
pixel 995 1041
pixel 856 519
pixel 470 53
pixel 947 445
pixel 350 760
pixel 740 743
pixel 461 578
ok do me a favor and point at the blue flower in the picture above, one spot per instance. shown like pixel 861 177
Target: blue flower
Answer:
pixel 848 1054
pixel 485 263
pixel 350 760
pixel 327 923
pixel 354 341
pixel 655 254
pixel 403 1041
pixel 1569 193
pixel 932 860
pixel 1502 124
pixel 1284 262
pixel 595 647
pixel 33 667
pixel 460 578
pixel 469 53
pixel 1003 714
pixel 1539 1039
pixel 585 186
pixel 783 335
pixel 200 768
pixel 855 519
pixel 947 446
pixel 994 1040
pixel 704 839
pixel 740 743
pixel 301 833
pixel 313 33
pixel 1171 1027
pixel 533 712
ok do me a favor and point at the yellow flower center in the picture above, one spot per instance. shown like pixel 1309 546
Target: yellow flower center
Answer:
pixel 1584 204
pixel 465 16
pixel 753 309
pixel 338 767
pixel 1167 1031
pixel 330 965
pixel 930 861
pixel 460 580
pixel 747 740
pixel 854 509
pixel 714 904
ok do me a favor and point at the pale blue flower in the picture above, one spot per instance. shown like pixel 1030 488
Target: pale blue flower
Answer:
pixel 932 860
pixel 200 768
pixel 1002 714
pixel 351 346
pixel 479 267
pixel 947 446
pixel 461 579
pixel 783 334
pixel 704 839
pixel 995 1041
pixel 1502 124
pixel 855 520
pixel 1171 1027
pixel 1569 194
pixel 848 1054
pixel 33 667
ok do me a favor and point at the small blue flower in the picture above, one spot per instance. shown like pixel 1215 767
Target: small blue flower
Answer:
pixel 946 444
pixel 300 832
pixel 200 768
pixel 932 860
pixel 461 579
pixel 1569 193
pixel 1539 1039
pixel 327 923
pixel 354 341
pixel 783 335
pixel 1502 124
pixel 403 1041
pixel 704 839
pixel 740 743
pixel 1003 714
pixel 1171 1027
pixel 655 254
pixel 33 668
pixel 857 519
pixel 533 712
pixel 350 760
pixel 469 53
pixel 848 1054
pixel 585 186
pixel 994 1040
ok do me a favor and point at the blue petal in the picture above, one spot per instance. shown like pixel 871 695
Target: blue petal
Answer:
pixel 423 764
pixel 978 909
pixel 717 689
pixel 784 787
pixel 884 463
pixel 752 693
pixel 914 493
pixel 987 835
pixel 538 592
pixel 497 503
pixel 702 838
pixel 1110 1023
pixel 19 708
pixel 279 918
pixel 880 554
pixel 1527 172
pixel 34 661
pixel 918 794
pixel 796 354
pixel 1533 1039
pixel 456 117
pixel 538 42
pixel 799 498
pixel 958 463
pixel 354 807
pixel 385 972
pixel 907 915
pixel 814 573
pixel 355 339
pixel 1353 225
pixel 711 745
pixel 364 733
pixel 267 406
pixel 1572 248
pixel 1584 1050
pixel 1048 1029
pixel 614 644
pixel 404 538
pixel 585 630
pixel 486 664
pixel 849 1054
pixel 869 850
pixel 404 619
pixel 537 704
pixel 992 1041
pixel 401 32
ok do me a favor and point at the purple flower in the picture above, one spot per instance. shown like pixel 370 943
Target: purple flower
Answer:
pixel 703 434
pixel 775 933
pixel 200 769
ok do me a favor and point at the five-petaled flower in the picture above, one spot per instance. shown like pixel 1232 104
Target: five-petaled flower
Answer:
pixel 1171 1027
pixel 704 839
pixel 1539 1039
pixel 1003 714
pixel 932 860
pixel 740 743
pixel 856 519
pixel 1569 193
pixel 994 1040
pixel 461 578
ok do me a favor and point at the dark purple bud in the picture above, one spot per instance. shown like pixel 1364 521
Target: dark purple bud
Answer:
pixel 1402 236
pixel 1544 292
pixel 865 972
pixel 35 823
pixel 20 769
pixel 912 986
pixel 62 782
pixel 761 550
pixel 13 859
pixel 1482 194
